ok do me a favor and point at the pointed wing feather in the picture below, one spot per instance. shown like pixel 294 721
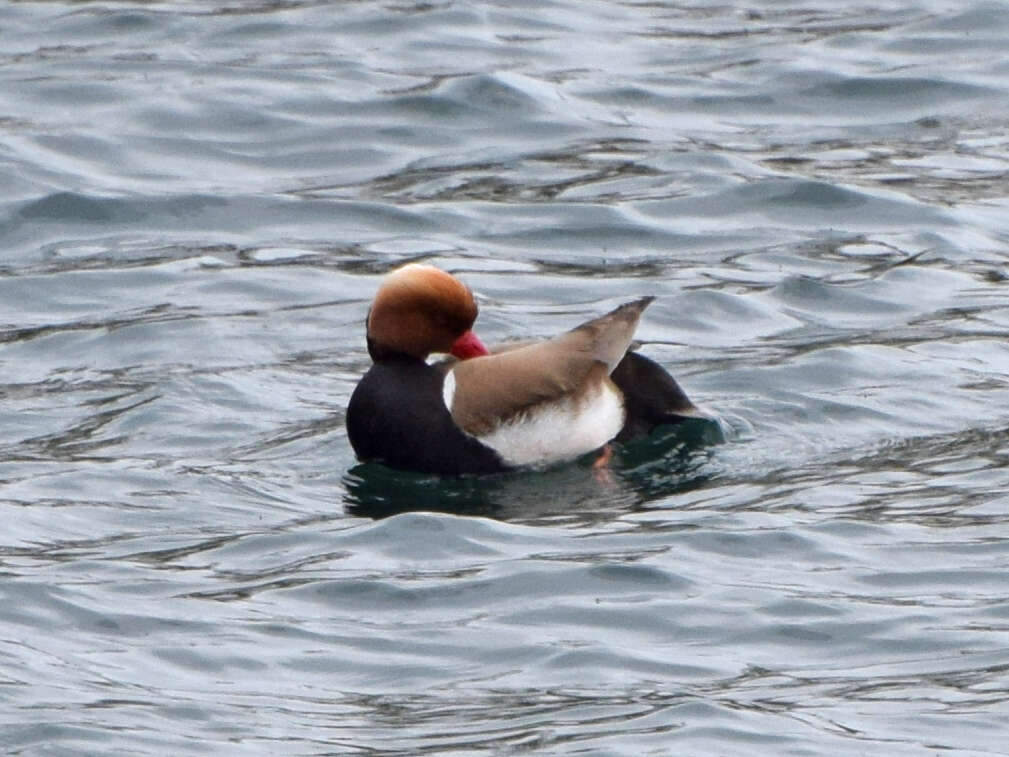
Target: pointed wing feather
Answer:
pixel 609 336
pixel 490 390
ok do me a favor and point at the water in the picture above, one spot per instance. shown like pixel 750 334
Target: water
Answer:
pixel 199 200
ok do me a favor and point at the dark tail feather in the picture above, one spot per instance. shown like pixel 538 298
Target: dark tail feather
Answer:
pixel 651 397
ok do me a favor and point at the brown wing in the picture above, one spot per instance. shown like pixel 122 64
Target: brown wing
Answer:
pixel 493 389
pixel 609 336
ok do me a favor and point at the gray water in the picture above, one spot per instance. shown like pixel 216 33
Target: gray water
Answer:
pixel 198 202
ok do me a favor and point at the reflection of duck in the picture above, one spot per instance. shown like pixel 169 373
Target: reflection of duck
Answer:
pixel 533 404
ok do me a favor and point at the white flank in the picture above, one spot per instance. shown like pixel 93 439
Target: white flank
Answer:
pixel 448 390
pixel 558 431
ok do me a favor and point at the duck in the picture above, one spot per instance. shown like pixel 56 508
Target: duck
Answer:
pixel 527 404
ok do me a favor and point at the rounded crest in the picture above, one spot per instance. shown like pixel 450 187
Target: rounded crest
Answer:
pixel 419 309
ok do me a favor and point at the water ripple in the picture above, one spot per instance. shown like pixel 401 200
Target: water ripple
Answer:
pixel 200 200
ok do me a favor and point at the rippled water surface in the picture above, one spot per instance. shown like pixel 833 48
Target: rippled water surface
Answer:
pixel 199 200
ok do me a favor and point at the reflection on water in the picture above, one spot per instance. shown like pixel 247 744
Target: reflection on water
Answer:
pixel 672 460
pixel 669 461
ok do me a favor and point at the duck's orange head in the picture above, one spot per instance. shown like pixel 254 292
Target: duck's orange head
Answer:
pixel 420 309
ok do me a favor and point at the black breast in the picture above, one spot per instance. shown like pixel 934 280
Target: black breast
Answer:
pixel 397 416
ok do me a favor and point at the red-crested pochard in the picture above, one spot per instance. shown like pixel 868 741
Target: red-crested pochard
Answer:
pixel 531 404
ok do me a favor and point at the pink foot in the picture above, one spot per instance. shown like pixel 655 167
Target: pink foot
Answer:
pixel 601 467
